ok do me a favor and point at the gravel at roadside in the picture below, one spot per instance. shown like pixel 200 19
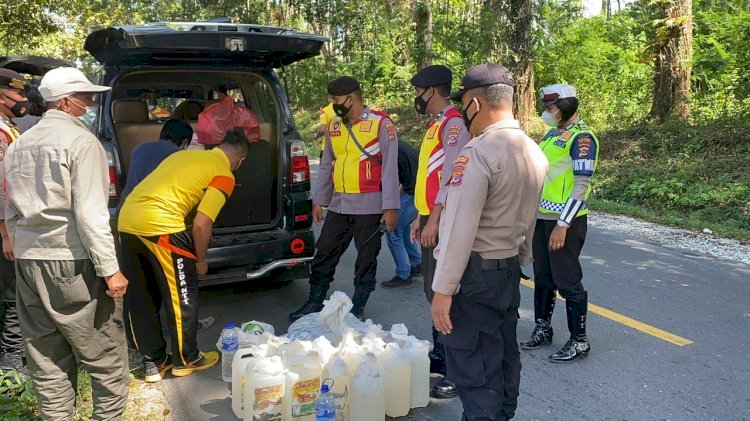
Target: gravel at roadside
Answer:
pixel 709 244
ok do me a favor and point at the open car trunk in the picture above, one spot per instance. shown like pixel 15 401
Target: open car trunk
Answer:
pixel 183 94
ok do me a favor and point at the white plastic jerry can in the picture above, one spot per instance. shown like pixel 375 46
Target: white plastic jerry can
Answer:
pixel 368 392
pixel 303 381
pixel 337 371
pixel 264 390
pixel 397 382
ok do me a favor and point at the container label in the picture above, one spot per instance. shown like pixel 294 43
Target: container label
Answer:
pixel 304 394
pixel 267 406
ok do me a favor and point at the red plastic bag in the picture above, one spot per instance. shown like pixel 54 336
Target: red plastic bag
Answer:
pixel 217 119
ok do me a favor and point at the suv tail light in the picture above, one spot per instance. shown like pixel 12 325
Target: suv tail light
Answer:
pixel 112 174
pixel 300 164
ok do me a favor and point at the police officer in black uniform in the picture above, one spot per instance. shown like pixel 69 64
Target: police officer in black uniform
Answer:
pixel 485 236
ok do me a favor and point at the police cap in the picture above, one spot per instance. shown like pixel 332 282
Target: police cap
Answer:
pixel 434 75
pixel 343 86
pixel 10 79
pixel 483 75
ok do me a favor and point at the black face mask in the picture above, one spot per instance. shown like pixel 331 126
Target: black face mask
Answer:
pixel 341 110
pixel 467 120
pixel 21 108
pixel 420 104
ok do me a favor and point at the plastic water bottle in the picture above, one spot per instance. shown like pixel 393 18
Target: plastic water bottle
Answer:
pixel 229 345
pixel 325 405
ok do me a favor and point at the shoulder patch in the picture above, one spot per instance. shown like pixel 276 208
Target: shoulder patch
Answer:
pixel 454 132
pixel 584 145
pixel 462 160
pixel 390 129
pixel 457 177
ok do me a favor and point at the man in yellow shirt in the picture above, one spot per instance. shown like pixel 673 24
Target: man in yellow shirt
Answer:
pixel 163 260
pixel 326 117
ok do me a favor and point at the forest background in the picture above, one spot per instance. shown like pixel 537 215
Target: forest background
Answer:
pixel 663 83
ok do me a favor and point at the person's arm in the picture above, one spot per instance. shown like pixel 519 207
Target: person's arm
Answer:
pixel 324 183
pixel 7 242
pixel 459 225
pixel 90 192
pixel 454 137
pixel 391 194
pixel 466 197
pixel 216 195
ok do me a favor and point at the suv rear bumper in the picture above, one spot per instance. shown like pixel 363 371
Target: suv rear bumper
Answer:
pixel 235 257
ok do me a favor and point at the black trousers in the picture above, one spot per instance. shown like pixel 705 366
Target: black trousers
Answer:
pixel 482 355
pixel 11 340
pixel 429 263
pixel 560 270
pixel 161 271
pixel 337 232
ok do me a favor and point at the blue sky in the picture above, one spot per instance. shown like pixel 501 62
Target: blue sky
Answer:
pixel 594 7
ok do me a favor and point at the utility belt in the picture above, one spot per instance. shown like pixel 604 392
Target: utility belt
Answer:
pixel 474 280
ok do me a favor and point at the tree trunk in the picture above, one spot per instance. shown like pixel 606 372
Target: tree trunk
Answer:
pixel 522 63
pixel 673 51
pixel 423 18
pixel 607 9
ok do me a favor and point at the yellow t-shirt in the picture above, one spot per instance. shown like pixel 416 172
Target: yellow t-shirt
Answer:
pixel 326 116
pixel 159 204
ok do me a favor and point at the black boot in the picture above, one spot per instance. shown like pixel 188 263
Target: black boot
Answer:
pixel 444 389
pixel 544 305
pixel 542 335
pixel 578 345
pixel 359 301
pixel 313 304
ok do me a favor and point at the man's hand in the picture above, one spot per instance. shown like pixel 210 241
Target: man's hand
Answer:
pixel 117 284
pixel 8 248
pixel 557 238
pixel 317 214
pixel 441 313
pixel 201 268
pixel 390 218
pixel 430 233
pixel 416 231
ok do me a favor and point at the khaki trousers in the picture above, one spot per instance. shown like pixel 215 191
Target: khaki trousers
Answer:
pixel 66 318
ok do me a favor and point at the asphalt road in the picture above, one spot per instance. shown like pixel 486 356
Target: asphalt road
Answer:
pixel 629 375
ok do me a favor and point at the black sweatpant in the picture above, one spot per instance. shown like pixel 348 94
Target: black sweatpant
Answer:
pixel 560 270
pixel 337 232
pixel 481 352
pixel 10 330
pixel 161 271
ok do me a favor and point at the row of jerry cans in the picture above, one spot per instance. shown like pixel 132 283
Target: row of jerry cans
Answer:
pixel 367 385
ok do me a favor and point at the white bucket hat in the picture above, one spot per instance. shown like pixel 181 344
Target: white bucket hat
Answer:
pixel 65 81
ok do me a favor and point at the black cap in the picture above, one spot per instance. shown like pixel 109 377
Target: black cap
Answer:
pixel 10 79
pixel 343 85
pixel 483 75
pixel 434 75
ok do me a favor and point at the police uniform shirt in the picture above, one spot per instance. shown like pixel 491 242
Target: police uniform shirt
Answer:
pixel 369 203
pixel 491 204
pixel 8 133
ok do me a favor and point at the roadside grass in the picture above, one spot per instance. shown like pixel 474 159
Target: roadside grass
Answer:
pixel 146 402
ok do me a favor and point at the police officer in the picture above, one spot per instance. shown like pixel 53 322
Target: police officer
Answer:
pixel 445 137
pixel 485 237
pixel 13 104
pixel 572 151
pixel 358 182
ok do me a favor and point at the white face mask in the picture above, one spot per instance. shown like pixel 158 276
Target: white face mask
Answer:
pixel 89 114
pixel 550 119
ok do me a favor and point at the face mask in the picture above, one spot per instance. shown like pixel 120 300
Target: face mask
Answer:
pixel 21 108
pixel 341 110
pixel 89 114
pixel 465 113
pixel 550 119
pixel 420 104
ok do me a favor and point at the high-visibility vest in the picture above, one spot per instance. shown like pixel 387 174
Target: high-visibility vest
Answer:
pixel 353 171
pixel 326 116
pixel 431 160
pixel 560 180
